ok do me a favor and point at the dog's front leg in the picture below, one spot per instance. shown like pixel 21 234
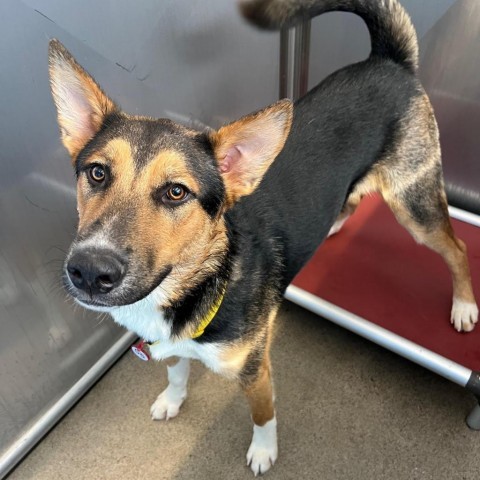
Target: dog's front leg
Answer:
pixel 168 403
pixel 258 389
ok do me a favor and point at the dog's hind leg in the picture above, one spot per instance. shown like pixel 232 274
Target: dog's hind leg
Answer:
pixel 168 403
pixel 421 207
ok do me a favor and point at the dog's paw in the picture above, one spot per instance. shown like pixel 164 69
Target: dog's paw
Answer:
pixel 168 403
pixel 464 315
pixel 263 450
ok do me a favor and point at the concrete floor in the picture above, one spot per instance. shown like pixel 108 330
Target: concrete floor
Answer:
pixel 346 410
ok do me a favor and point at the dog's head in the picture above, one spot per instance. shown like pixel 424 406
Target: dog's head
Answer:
pixel 151 194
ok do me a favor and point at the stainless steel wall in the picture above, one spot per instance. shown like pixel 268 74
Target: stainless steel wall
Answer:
pixel 449 37
pixel 190 60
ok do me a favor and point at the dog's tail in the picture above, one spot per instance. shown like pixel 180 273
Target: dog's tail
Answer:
pixel 392 33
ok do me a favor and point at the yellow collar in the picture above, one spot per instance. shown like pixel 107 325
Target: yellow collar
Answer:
pixel 210 316
pixel 206 321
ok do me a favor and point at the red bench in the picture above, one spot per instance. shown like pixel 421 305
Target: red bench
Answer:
pixel 372 278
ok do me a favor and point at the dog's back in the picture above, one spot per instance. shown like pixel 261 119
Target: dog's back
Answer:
pixel 341 128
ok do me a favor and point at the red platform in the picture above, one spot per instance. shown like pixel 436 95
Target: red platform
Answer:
pixel 374 269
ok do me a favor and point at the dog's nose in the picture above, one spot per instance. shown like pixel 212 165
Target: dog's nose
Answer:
pixel 95 271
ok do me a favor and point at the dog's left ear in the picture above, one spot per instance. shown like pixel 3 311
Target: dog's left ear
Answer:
pixel 246 148
pixel 81 104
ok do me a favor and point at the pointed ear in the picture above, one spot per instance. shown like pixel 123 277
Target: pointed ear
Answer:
pixel 245 149
pixel 81 104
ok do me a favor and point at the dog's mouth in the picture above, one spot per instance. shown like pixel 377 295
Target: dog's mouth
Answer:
pixel 130 290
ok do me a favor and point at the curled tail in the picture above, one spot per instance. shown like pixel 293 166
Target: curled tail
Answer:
pixel 391 31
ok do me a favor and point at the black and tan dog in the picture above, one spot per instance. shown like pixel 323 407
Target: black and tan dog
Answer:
pixel 190 239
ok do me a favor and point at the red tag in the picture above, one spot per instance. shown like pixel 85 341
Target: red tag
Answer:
pixel 140 352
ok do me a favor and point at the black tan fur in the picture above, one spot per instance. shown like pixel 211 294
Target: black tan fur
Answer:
pixel 173 220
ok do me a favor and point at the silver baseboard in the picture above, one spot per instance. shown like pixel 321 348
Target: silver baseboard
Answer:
pixel 41 427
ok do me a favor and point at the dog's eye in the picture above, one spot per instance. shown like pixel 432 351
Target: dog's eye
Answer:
pixel 176 193
pixel 172 195
pixel 96 173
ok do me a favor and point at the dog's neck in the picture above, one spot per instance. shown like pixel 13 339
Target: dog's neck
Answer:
pixel 187 314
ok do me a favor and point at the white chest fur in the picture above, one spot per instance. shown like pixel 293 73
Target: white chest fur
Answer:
pixel 144 317
pixel 210 354
pixel 147 320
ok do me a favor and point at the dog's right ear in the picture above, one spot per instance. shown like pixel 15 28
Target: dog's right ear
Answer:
pixel 245 149
pixel 81 104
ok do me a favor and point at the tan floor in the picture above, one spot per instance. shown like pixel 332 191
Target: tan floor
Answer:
pixel 346 410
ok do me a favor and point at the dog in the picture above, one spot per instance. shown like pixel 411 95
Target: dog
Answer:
pixel 190 238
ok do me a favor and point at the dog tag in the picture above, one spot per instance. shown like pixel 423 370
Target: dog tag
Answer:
pixel 139 351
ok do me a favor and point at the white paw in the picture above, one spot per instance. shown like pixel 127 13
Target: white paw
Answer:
pixel 263 450
pixel 464 315
pixel 168 404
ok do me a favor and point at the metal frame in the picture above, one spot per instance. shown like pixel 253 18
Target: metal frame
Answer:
pixel 391 341
pixel 464 216
pixel 294 61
